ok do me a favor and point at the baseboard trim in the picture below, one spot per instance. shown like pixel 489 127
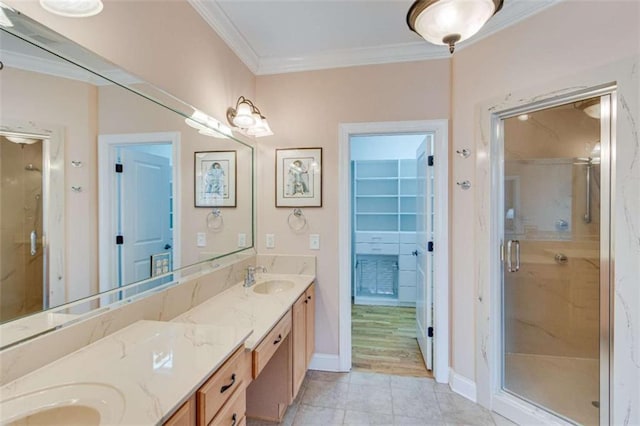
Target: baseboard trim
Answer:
pixel 462 385
pixel 325 362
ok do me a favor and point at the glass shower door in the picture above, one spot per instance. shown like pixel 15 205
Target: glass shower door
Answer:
pixel 21 227
pixel 551 268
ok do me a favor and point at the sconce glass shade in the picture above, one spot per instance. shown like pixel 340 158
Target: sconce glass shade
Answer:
pixel 244 116
pixel 197 120
pixel 592 109
pixel 73 8
pixel 262 130
pixel 221 131
pixel 446 22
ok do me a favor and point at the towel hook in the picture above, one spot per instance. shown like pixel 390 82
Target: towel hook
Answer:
pixel 299 217
pixel 215 220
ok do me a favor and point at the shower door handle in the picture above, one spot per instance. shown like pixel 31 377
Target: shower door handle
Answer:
pixel 34 242
pixel 509 255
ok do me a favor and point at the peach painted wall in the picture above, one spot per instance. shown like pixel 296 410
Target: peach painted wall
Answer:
pixel 166 43
pixel 566 47
pixel 305 110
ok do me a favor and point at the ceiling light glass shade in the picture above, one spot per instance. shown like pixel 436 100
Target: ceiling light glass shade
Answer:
pixel 244 116
pixel 73 8
pixel 446 22
pixel 592 110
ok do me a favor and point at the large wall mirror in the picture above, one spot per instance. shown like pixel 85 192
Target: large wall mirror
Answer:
pixel 105 181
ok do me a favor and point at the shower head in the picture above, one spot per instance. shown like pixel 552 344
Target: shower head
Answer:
pixel 31 168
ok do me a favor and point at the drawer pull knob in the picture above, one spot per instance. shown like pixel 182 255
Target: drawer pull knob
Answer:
pixel 306 301
pixel 308 297
pixel 226 387
pixel 234 419
pixel 278 340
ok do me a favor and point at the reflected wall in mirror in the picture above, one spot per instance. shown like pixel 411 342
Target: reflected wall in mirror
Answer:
pixel 97 187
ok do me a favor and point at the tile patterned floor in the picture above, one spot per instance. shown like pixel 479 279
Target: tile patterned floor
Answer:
pixel 359 398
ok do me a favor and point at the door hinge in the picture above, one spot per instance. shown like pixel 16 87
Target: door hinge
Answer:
pixel 430 332
pixel 430 160
pixel 119 167
pixel 119 239
pixel 430 246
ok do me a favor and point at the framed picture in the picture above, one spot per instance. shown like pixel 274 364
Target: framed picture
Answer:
pixel 215 178
pixel 299 177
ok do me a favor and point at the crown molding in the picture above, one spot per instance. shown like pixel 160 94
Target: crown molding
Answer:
pixel 405 52
pixel 213 15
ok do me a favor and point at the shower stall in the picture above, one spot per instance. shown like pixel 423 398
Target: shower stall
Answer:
pixel 555 259
pixel 22 266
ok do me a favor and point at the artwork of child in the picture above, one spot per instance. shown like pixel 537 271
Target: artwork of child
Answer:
pixel 298 179
pixel 214 180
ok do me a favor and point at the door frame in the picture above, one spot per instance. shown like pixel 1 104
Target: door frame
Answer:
pixel 106 207
pixel 440 128
pixel 504 403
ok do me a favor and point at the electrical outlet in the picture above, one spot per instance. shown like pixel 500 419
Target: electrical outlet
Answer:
pixel 314 241
pixel 242 240
pixel 201 239
pixel 270 241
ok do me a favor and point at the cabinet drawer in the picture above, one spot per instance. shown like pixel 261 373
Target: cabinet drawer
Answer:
pixel 377 237
pixel 270 344
pixel 407 262
pixel 235 374
pixel 376 248
pixel 407 248
pixel 233 411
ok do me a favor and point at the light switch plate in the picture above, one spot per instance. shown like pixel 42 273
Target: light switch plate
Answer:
pixel 270 241
pixel 201 239
pixel 314 241
pixel 242 240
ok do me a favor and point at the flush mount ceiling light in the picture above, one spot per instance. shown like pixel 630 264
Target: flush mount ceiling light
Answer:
pixel 248 118
pixel 447 22
pixel 591 107
pixel 73 8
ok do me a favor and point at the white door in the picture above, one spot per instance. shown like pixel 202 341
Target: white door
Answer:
pixel 424 235
pixel 144 194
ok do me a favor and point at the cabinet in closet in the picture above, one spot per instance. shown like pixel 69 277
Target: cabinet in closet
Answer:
pixel 384 224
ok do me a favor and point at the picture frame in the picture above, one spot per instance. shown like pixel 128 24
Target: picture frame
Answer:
pixel 215 174
pixel 299 177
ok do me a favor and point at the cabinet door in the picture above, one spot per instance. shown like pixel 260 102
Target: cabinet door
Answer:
pixel 310 323
pixel 299 343
pixel 185 416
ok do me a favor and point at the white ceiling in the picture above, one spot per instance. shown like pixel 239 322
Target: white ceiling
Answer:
pixel 276 36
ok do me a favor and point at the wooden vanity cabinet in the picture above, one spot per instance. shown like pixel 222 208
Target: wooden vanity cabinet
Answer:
pixel 221 399
pixel 303 336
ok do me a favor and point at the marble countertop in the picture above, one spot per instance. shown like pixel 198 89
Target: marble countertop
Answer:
pixel 243 307
pixel 147 368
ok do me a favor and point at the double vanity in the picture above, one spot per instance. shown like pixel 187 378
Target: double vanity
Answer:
pixel 242 353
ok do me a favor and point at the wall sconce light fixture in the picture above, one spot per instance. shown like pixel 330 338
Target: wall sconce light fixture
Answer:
pixel 447 22
pixel 73 8
pixel 248 118
pixel 208 126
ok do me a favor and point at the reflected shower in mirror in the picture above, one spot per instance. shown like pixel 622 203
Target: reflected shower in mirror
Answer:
pixel 98 180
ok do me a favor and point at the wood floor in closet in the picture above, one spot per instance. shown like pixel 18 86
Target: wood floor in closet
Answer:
pixel 383 340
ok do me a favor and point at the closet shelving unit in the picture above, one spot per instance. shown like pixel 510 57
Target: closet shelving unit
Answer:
pixel 384 223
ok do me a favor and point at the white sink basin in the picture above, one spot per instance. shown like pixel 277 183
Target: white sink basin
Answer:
pixel 272 286
pixel 81 404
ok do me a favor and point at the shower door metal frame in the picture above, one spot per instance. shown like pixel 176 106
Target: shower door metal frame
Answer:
pixel 503 400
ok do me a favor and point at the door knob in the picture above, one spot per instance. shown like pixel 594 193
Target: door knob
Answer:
pixel 167 246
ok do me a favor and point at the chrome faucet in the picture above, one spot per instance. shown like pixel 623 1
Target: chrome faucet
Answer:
pixel 250 278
